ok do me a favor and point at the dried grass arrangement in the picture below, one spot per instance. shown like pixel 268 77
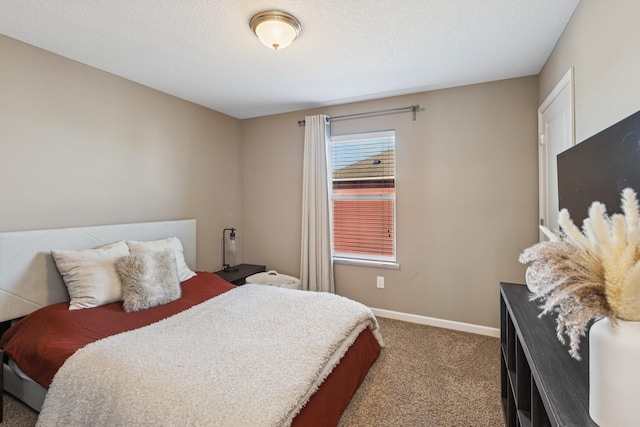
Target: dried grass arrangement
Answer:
pixel 589 274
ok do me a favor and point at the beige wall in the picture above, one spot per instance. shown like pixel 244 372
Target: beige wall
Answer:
pixel 466 197
pixel 79 146
pixel 601 42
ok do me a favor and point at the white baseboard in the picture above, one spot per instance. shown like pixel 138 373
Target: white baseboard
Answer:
pixel 440 323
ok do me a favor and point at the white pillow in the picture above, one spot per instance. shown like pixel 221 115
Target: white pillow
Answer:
pixel 90 275
pixel 174 243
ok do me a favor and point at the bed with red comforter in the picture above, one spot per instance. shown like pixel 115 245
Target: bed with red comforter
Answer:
pixel 42 342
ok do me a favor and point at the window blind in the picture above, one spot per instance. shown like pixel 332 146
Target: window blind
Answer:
pixel 363 195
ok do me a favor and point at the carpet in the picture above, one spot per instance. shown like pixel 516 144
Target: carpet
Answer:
pixel 429 377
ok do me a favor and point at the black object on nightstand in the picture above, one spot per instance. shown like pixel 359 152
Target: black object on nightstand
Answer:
pixel 244 270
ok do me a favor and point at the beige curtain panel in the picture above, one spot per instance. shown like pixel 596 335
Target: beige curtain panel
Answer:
pixel 316 265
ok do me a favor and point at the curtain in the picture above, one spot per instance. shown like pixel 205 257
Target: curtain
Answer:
pixel 316 266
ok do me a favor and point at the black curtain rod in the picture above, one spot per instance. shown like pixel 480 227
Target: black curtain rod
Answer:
pixel 414 109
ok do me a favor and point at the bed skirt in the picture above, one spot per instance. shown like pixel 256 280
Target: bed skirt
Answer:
pixel 332 397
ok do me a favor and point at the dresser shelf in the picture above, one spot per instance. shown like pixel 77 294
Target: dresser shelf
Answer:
pixel 541 384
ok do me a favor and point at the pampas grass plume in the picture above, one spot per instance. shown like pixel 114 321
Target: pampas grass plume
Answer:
pixel 589 274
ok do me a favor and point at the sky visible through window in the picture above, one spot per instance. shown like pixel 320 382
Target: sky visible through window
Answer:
pixel 349 152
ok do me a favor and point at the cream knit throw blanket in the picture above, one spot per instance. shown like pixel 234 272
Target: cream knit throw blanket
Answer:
pixel 250 357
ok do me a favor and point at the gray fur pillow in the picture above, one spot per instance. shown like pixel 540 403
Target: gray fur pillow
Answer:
pixel 148 279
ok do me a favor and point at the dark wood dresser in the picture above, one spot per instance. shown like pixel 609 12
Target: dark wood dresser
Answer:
pixel 541 384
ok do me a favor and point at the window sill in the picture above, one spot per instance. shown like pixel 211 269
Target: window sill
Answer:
pixel 367 263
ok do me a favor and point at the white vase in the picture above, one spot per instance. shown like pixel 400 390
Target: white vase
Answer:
pixel 614 373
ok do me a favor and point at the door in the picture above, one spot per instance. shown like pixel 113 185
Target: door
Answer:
pixel 555 135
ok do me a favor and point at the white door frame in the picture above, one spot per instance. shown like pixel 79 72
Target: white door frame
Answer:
pixel 543 167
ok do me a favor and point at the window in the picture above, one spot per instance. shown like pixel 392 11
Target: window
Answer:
pixel 364 196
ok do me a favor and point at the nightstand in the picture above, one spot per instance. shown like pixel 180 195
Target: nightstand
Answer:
pixel 244 270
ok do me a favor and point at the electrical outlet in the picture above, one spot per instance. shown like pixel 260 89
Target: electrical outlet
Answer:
pixel 380 282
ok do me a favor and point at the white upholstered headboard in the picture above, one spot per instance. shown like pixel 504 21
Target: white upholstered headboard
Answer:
pixel 29 278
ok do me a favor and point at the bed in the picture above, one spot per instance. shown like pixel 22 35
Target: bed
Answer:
pixel 217 354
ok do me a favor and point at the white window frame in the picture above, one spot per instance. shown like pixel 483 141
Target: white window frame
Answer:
pixel 365 259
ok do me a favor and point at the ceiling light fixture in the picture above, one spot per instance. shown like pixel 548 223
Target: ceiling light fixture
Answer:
pixel 275 29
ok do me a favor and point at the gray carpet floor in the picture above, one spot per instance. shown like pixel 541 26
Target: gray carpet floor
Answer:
pixel 425 376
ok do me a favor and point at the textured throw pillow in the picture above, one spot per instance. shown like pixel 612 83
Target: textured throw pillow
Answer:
pixel 90 275
pixel 148 279
pixel 172 243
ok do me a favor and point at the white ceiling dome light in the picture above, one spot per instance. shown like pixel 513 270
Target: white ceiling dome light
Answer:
pixel 275 29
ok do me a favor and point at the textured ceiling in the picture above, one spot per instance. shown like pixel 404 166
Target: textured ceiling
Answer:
pixel 348 50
